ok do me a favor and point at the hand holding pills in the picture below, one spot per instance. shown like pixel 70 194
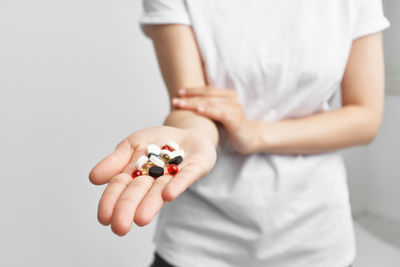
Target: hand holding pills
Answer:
pixel 146 169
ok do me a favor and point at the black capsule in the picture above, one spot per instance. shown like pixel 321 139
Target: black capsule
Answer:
pixel 150 154
pixel 156 171
pixel 176 160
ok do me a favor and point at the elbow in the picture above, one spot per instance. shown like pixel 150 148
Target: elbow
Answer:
pixel 370 130
pixel 370 137
pixel 366 124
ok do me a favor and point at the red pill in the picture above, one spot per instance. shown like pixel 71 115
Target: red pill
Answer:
pixel 173 169
pixel 168 148
pixel 136 173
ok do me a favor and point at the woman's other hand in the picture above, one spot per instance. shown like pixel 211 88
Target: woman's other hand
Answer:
pixel 221 105
pixel 126 199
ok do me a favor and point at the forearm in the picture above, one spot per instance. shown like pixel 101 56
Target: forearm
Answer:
pixel 191 121
pixel 356 123
pixel 180 64
pixel 319 133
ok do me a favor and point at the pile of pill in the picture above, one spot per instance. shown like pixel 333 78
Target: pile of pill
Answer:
pixel 169 156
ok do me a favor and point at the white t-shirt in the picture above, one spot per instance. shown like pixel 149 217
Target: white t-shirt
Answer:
pixel 285 59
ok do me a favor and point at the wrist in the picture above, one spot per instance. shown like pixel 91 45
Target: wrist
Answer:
pixel 194 123
pixel 261 140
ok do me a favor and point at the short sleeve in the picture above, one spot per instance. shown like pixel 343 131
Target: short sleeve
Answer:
pixel 369 18
pixel 164 12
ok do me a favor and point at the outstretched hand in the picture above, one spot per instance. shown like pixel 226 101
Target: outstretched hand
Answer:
pixel 126 200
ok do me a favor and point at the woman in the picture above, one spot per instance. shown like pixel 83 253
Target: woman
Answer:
pixel 251 84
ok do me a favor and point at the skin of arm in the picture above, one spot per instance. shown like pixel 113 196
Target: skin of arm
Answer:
pixel 357 122
pixel 126 200
pixel 181 66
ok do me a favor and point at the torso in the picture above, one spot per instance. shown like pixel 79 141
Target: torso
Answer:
pixel 285 60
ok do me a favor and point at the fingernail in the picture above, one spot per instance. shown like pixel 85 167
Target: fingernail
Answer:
pixel 201 109
pixel 182 91
pixel 182 102
pixel 175 101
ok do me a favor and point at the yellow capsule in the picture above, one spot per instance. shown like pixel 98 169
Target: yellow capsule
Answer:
pixel 144 171
pixel 150 164
pixel 165 158
pixel 147 166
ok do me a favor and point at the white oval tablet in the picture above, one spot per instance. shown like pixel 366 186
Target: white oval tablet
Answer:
pixel 173 145
pixel 157 161
pixel 178 152
pixel 141 161
pixel 152 148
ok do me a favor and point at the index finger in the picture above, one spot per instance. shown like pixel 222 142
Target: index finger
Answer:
pixel 202 91
pixel 112 164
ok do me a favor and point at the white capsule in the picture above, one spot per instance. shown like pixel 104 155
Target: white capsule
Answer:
pixel 152 148
pixel 157 161
pixel 165 151
pixel 141 161
pixel 173 145
pixel 177 153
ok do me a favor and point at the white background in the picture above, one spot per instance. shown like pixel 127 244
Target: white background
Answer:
pixel 75 78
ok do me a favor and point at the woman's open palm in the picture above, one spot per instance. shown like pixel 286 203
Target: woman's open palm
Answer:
pixel 125 199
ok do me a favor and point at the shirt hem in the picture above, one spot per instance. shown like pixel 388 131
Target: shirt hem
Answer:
pixel 178 261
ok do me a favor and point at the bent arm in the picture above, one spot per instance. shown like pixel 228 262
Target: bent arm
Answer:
pixel 356 122
pixel 181 66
